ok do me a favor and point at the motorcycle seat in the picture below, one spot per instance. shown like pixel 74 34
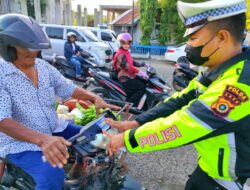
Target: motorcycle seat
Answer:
pixel 67 64
pixel 107 77
pixel 64 62
pixel 60 57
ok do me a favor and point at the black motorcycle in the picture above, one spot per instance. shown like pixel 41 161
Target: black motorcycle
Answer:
pixel 99 171
pixel 183 74
pixel 68 70
pixel 156 90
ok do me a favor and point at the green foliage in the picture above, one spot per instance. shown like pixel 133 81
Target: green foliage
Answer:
pixel 74 19
pixel 31 8
pixel 104 20
pixel 171 27
pixel 148 10
pixel 43 5
pixel 90 20
pixel 164 32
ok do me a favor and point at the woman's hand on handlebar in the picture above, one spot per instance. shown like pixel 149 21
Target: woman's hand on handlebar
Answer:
pixel 143 75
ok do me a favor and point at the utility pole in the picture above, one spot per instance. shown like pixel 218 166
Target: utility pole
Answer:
pixel 133 14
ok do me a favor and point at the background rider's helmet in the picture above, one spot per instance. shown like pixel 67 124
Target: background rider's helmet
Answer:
pixel 124 37
pixel 22 31
pixel 70 34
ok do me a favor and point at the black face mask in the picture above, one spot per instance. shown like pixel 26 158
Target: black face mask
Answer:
pixel 194 54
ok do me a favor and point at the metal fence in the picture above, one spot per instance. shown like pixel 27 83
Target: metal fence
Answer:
pixel 153 50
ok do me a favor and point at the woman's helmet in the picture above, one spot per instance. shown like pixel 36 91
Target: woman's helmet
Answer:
pixel 22 31
pixel 69 34
pixel 124 37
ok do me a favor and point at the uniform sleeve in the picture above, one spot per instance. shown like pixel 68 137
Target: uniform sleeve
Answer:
pixel 170 105
pixel 220 105
pixel 63 87
pixel 5 104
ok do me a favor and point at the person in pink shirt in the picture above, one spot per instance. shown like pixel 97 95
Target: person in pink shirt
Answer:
pixel 132 79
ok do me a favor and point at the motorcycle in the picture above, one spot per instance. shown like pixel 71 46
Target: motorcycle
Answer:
pixel 182 74
pixel 99 171
pixel 68 70
pixel 156 89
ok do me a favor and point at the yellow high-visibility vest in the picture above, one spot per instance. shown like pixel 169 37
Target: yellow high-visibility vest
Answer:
pixel 199 110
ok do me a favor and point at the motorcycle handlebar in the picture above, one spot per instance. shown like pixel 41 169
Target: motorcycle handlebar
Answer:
pixel 132 110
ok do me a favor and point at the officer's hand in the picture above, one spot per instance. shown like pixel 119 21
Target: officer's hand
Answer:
pixel 122 125
pixel 115 142
pixel 55 150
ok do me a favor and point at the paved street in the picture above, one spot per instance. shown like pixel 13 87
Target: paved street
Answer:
pixel 163 69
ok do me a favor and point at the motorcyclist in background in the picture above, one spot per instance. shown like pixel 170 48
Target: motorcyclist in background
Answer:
pixel 73 54
pixel 126 72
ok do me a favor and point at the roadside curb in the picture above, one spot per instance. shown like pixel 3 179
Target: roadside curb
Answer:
pixel 145 56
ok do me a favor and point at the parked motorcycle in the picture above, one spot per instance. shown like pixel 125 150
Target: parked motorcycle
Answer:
pixel 99 171
pixel 68 70
pixel 156 89
pixel 183 74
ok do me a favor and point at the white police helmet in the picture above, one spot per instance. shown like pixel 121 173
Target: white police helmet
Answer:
pixel 197 15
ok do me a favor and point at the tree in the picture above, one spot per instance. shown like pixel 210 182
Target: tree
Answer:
pixel 31 8
pixel 147 19
pixel 171 28
pixel 90 20
pixel 164 33
pixel 74 19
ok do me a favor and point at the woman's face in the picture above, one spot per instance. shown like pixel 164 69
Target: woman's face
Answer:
pixel 72 39
pixel 126 44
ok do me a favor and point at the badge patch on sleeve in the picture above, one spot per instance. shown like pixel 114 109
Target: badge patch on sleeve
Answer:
pixel 231 97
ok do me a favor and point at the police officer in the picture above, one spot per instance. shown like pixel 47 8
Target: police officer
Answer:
pixel 213 111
